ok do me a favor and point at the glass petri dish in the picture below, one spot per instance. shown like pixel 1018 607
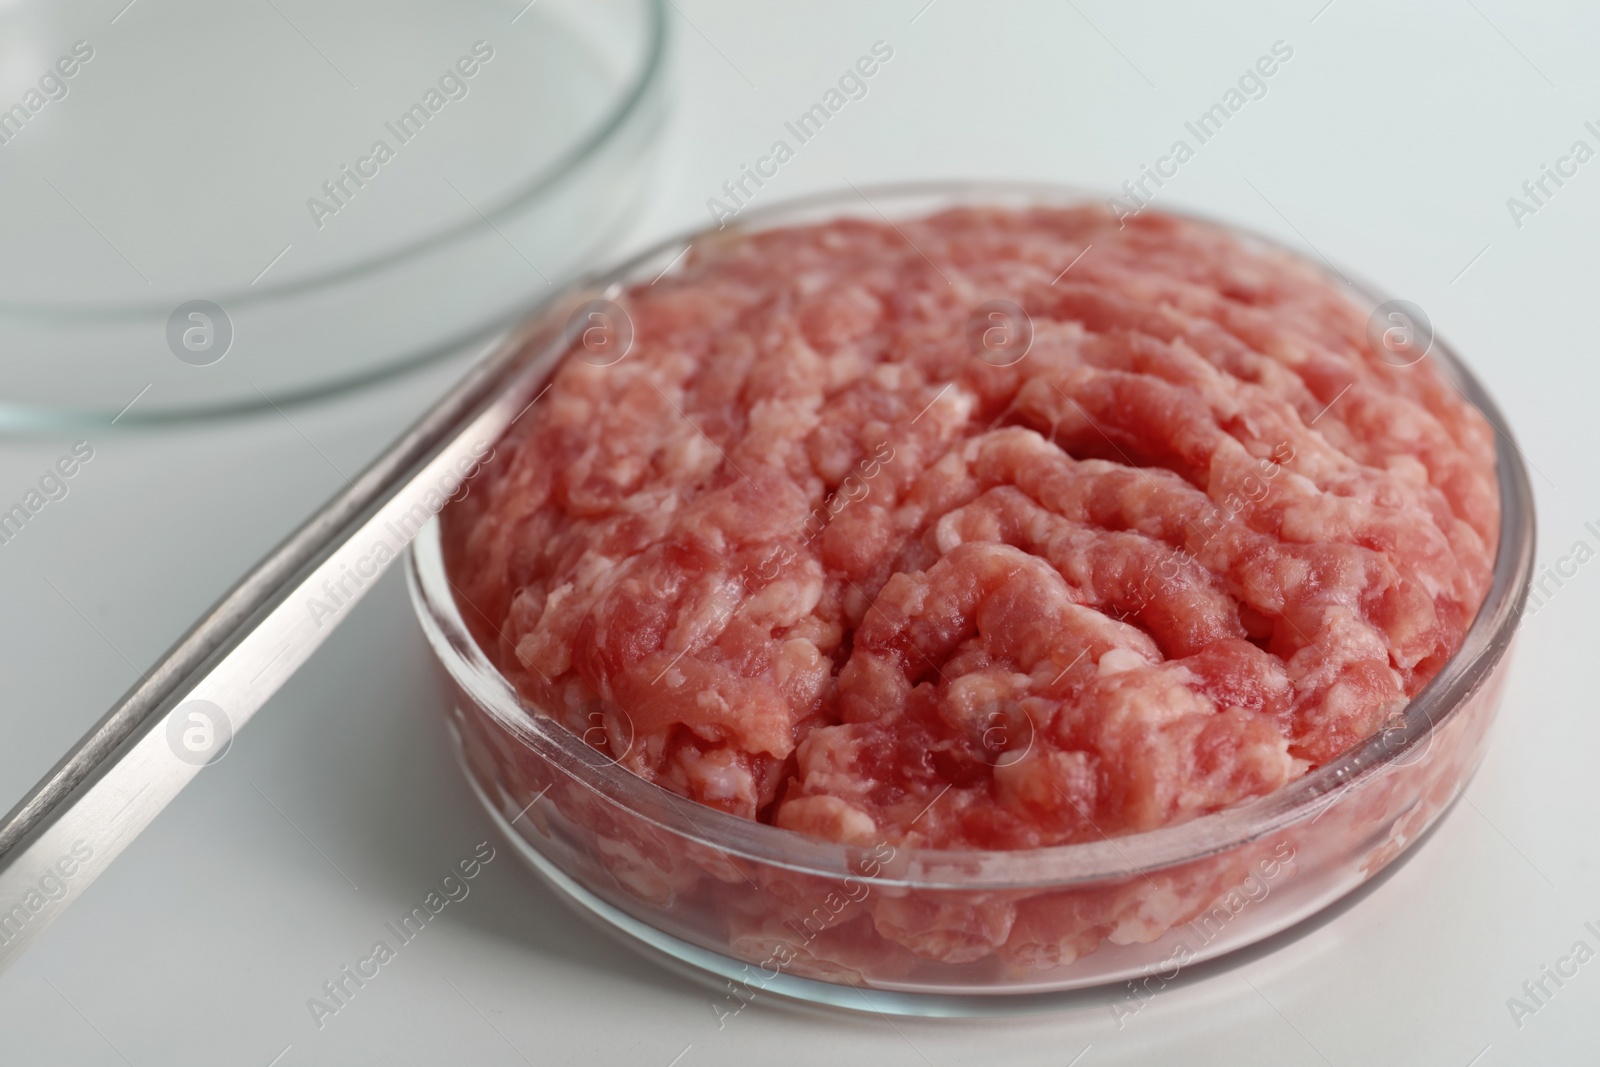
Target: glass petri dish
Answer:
pixel 212 206
pixel 763 911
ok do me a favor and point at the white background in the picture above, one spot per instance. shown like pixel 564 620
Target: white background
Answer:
pixel 1388 143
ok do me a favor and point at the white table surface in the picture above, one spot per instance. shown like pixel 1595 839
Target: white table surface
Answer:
pixel 1389 143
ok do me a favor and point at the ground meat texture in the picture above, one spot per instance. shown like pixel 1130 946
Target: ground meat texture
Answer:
pixel 803 556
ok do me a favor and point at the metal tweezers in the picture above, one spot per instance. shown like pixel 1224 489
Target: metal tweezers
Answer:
pixel 130 765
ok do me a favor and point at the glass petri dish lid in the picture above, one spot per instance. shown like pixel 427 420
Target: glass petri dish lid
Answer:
pixel 214 206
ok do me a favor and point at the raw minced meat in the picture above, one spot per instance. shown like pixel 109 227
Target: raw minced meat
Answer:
pixel 809 555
